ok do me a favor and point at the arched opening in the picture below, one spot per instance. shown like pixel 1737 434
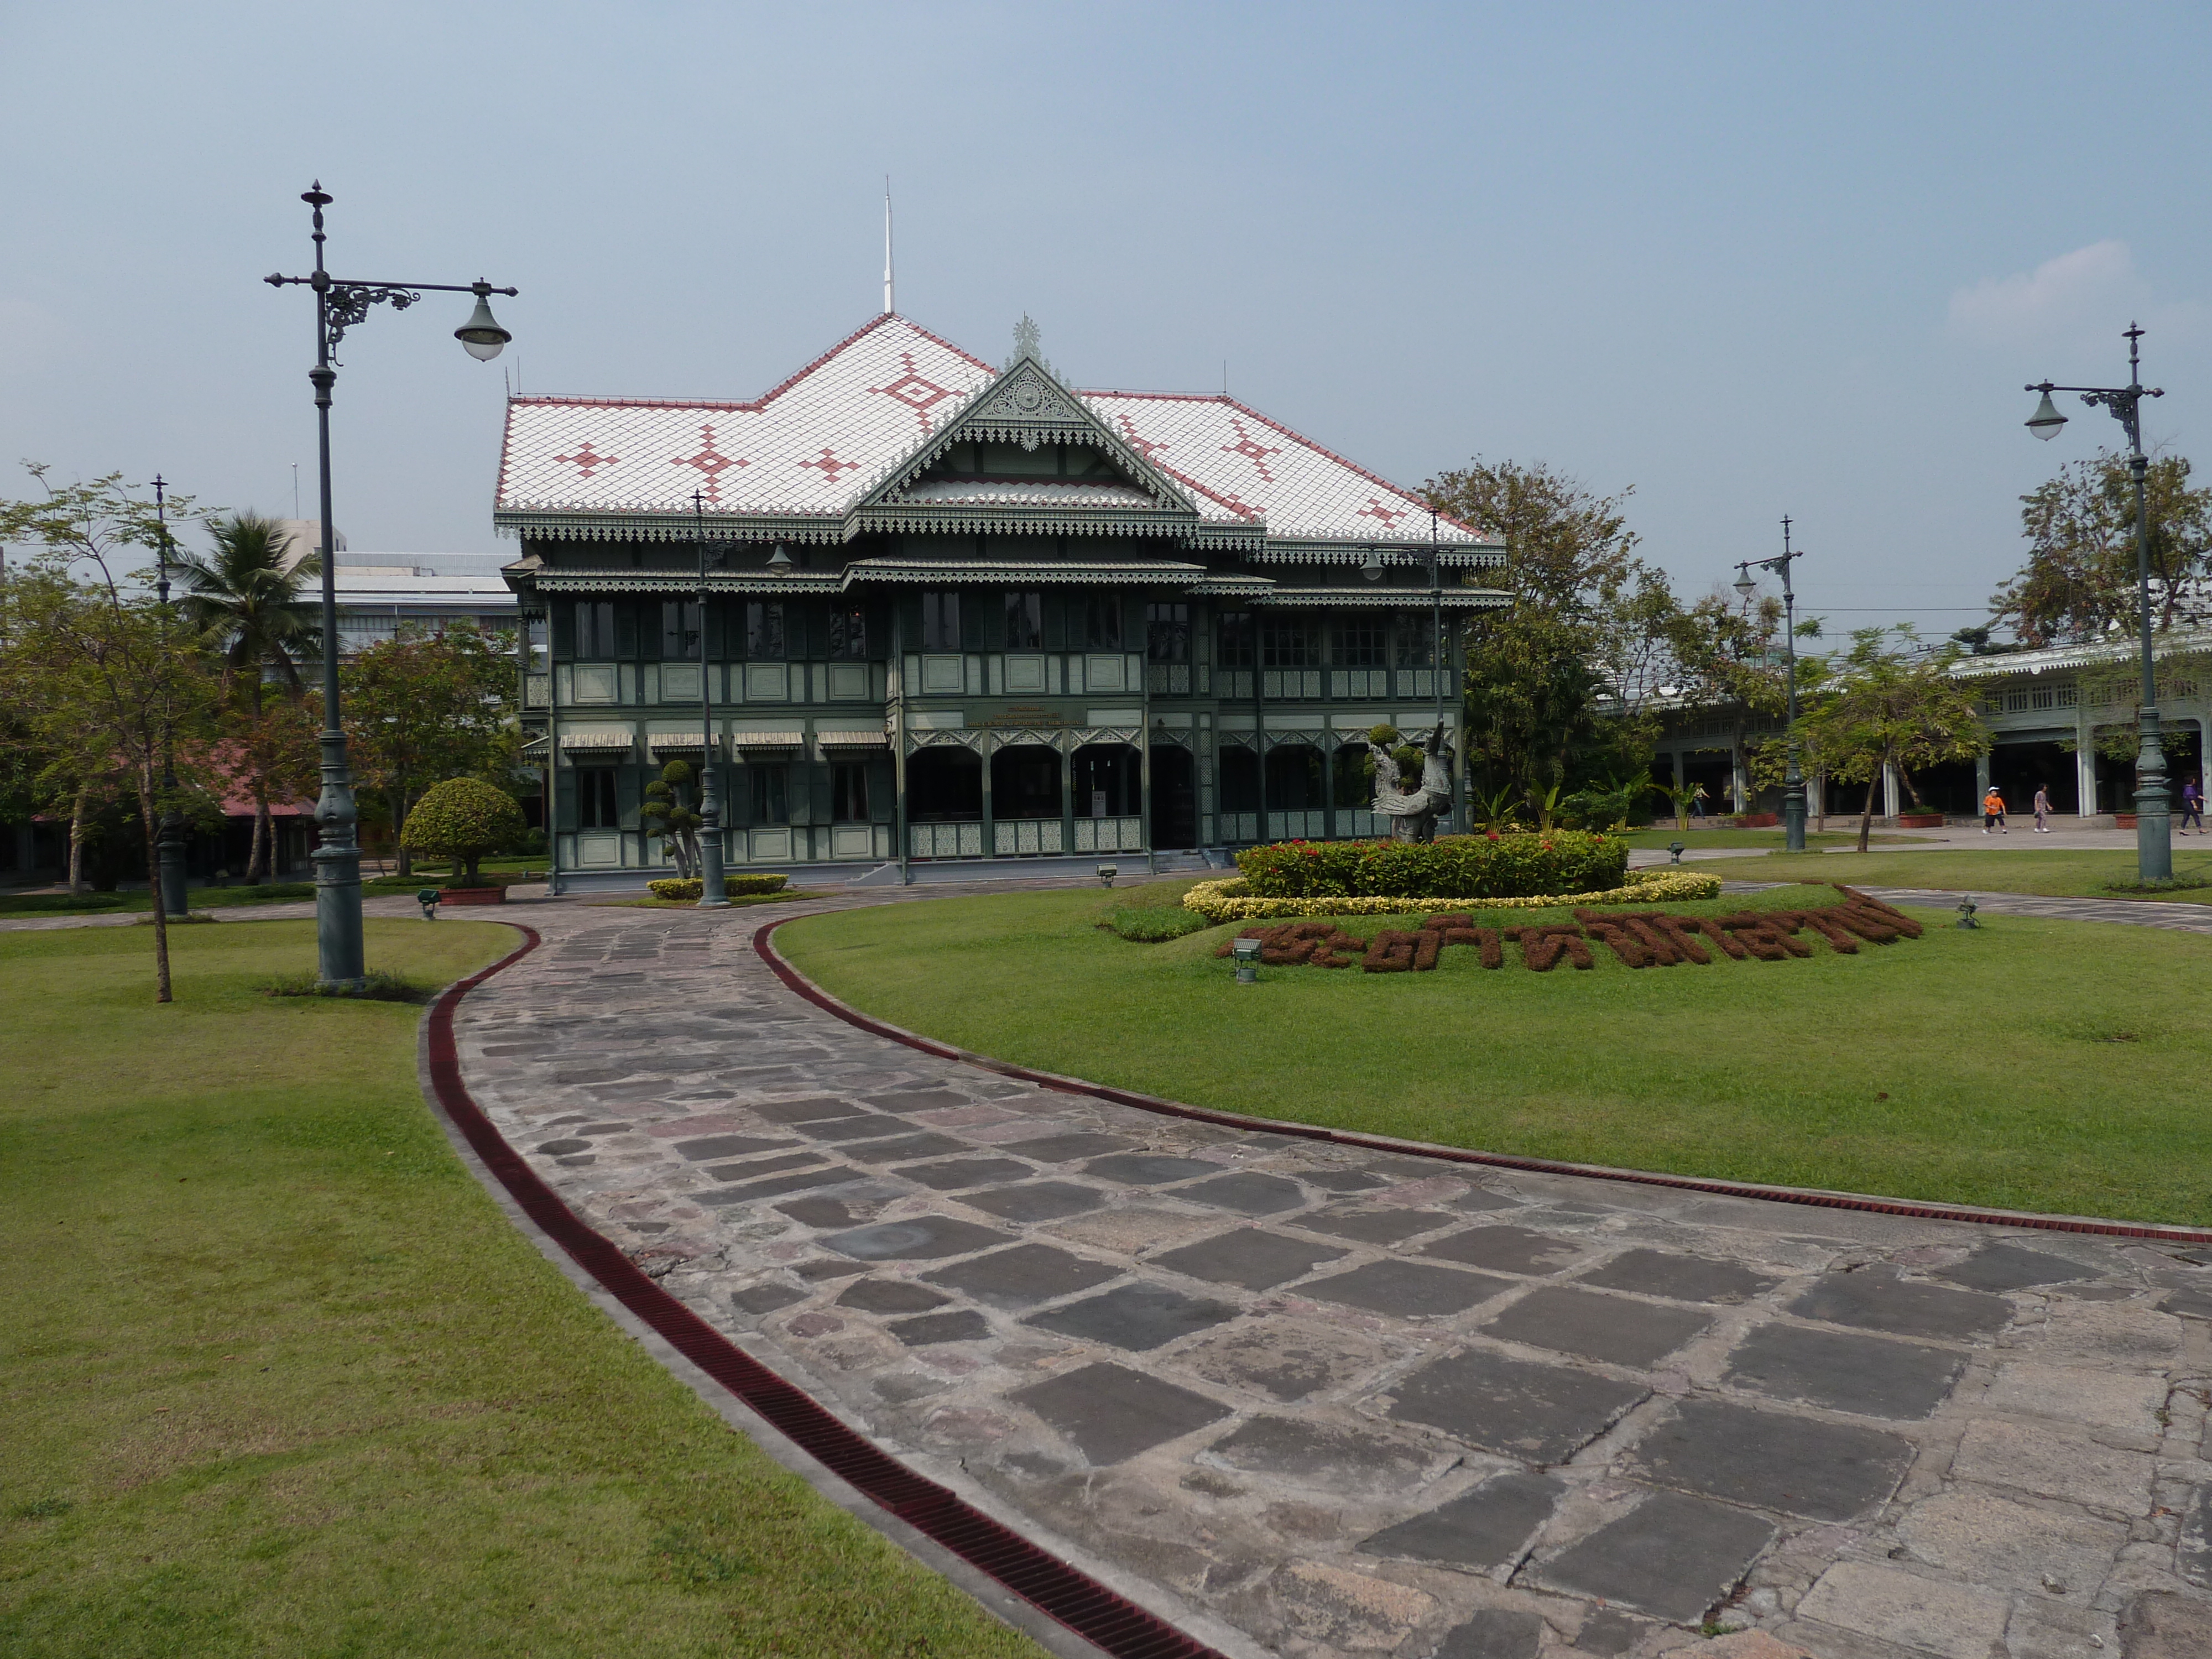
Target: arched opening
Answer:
pixel 1175 796
pixel 1240 793
pixel 1352 790
pixel 1298 791
pixel 944 785
pixel 1025 782
pixel 1109 798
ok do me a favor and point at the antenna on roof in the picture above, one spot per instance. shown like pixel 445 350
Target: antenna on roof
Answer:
pixel 890 296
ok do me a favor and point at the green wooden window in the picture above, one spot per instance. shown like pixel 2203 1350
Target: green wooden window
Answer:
pixel 940 621
pixel 595 629
pixel 1415 639
pixel 1167 633
pixel 764 637
pixel 597 807
pixel 849 634
pixel 1238 639
pixel 1361 641
pixel 1101 622
pixel 1024 621
pixel 848 791
pixel 768 792
pixel 1290 642
pixel 679 630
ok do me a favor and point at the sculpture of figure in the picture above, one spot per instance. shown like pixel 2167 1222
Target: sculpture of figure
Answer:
pixel 1413 814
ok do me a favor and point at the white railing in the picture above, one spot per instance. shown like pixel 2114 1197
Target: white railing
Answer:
pixel 944 841
pixel 1010 837
pixel 1110 835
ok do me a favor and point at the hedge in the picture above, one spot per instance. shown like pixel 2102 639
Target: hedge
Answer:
pixel 1233 900
pixel 1453 867
pixel 732 887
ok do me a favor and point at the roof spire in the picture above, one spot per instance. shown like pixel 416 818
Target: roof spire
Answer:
pixel 891 297
pixel 1028 337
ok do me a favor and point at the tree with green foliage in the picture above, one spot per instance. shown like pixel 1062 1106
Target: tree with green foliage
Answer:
pixel 669 810
pixel 1558 687
pixel 115 687
pixel 249 602
pixel 464 819
pixel 2080 583
pixel 425 705
pixel 1887 701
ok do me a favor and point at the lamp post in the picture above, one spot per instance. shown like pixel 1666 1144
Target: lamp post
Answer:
pixel 1793 779
pixel 2153 824
pixel 712 895
pixel 338 306
pixel 169 840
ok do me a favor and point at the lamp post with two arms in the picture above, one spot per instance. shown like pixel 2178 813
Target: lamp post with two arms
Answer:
pixel 340 303
pixel 1793 782
pixel 2154 822
pixel 169 840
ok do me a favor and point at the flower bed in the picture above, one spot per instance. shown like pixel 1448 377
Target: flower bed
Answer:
pixel 1522 865
pixel 1233 900
pixel 1640 938
pixel 732 887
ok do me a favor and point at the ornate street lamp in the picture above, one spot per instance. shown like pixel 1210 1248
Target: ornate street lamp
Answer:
pixel 713 889
pixel 339 305
pixel 1793 781
pixel 2154 822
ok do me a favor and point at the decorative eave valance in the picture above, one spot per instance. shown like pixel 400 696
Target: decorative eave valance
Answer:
pixel 555 525
pixel 1222 585
pixel 922 518
pixel 677 583
pixel 1022 573
pixel 1387 598
pixel 1405 552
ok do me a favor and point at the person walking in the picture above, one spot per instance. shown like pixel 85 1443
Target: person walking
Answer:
pixel 2192 806
pixel 1697 802
pixel 2042 808
pixel 1993 813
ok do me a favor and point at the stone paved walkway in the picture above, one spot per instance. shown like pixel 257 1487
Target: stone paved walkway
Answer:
pixel 1318 1401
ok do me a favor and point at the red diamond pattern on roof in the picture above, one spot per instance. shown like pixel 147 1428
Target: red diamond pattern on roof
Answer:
pixel 817 445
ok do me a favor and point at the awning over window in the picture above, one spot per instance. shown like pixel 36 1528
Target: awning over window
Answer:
pixel 877 739
pixel 597 737
pixel 680 742
pixel 775 743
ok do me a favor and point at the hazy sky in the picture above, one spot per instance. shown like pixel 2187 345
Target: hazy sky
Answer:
pixel 1748 259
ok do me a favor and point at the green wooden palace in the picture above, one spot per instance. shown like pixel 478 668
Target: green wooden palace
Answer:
pixel 956 615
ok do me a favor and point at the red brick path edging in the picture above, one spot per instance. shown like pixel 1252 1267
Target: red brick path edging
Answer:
pixel 1100 1615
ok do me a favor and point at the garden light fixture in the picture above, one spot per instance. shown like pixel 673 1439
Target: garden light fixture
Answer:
pixel 1675 848
pixel 1107 873
pixel 428 898
pixel 1967 909
pixel 2153 819
pixel 1247 952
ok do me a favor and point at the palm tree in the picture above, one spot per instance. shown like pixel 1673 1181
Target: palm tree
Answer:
pixel 249 600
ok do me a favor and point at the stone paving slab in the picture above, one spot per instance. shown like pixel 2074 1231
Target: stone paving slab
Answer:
pixel 1352 1401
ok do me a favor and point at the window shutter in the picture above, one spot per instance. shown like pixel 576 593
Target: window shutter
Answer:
pixel 564 798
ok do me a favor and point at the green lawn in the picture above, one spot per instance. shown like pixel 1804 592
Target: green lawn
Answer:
pixel 279 1379
pixel 2031 1065
pixel 1661 833
pixel 199 898
pixel 2056 873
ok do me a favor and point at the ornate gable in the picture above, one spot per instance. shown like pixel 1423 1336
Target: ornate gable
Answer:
pixel 1026 406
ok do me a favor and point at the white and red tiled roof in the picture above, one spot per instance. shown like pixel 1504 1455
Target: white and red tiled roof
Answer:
pixel 816 445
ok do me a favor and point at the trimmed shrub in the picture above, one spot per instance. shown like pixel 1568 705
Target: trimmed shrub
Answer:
pixel 732 886
pixel 464 819
pixel 1455 866
pixel 1233 899
pixel 1154 926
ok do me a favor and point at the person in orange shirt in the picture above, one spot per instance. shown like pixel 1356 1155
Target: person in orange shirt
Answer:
pixel 1993 812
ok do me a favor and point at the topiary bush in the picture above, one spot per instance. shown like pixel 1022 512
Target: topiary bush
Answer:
pixel 464 819
pixel 1453 866
pixel 732 886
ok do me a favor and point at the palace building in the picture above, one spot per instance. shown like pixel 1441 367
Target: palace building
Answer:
pixel 959 613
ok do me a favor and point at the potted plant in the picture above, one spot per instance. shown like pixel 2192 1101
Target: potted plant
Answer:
pixel 464 819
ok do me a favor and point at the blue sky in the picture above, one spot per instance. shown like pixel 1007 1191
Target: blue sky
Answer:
pixel 1749 260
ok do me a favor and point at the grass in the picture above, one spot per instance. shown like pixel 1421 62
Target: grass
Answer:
pixel 2056 873
pixel 200 898
pixel 2031 1065
pixel 1659 833
pixel 280 1380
